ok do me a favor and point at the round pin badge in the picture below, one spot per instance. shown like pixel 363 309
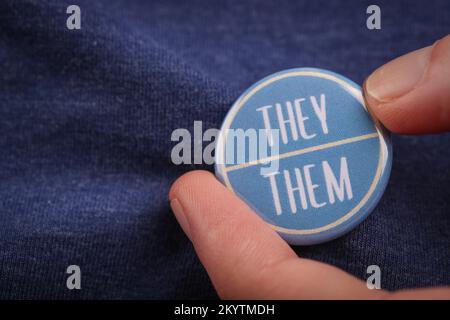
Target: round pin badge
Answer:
pixel 302 150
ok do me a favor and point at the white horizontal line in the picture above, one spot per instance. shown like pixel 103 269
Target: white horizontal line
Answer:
pixel 301 151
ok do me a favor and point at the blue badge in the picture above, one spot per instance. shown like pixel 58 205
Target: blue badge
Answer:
pixel 301 149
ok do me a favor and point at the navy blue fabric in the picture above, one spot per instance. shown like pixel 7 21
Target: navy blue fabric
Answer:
pixel 86 118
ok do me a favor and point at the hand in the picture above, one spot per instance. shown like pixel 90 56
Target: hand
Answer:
pixel 245 258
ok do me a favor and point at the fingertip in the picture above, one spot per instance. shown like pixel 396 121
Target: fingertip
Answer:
pixel 411 94
pixel 187 180
pixel 233 243
pixel 384 113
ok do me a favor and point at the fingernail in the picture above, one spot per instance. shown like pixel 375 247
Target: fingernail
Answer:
pixel 181 217
pixel 398 76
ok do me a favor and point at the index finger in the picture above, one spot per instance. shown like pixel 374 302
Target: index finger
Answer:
pixel 411 94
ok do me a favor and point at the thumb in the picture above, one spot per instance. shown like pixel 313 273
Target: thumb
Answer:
pixel 411 94
pixel 245 258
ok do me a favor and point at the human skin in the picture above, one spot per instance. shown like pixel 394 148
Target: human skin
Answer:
pixel 246 259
